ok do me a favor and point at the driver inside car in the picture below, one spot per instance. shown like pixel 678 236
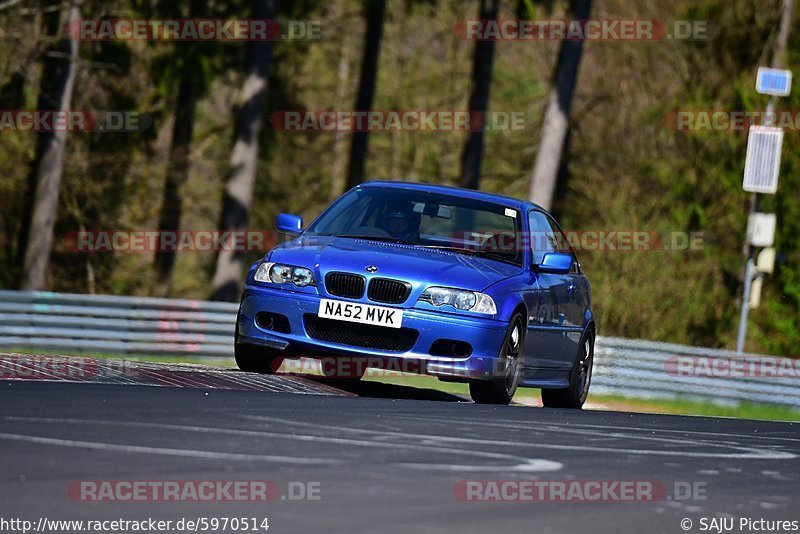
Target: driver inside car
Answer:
pixel 402 223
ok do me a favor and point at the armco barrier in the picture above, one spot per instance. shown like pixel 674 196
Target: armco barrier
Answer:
pixel 139 326
pixel 86 324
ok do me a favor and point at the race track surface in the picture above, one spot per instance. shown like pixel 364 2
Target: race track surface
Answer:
pixel 384 462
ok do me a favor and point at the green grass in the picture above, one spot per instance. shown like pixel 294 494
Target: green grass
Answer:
pixel 687 407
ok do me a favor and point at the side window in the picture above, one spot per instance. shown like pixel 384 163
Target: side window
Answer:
pixel 563 244
pixel 542 238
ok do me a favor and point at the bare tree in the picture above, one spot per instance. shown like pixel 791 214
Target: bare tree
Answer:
pixel 556 119
pixel 58 81
pixel 339 171
pixel 185 69
pixel 177 173
pixel 479 99
pixel 780 58
pixel 238 196
pixel 374 13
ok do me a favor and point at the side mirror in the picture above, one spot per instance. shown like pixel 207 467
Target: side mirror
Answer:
pixel 289 224
pixel 555 263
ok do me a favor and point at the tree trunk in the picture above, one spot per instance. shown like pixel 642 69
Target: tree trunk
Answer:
pixel 177 173
pixel 36 235
pixel 780 58
pixel 339 172
pixel 191 86
pixel 479 100
pixel 375 10
pixel 238 196
pixel 556 120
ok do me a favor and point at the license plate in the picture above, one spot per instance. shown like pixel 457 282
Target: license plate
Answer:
pixel 361 313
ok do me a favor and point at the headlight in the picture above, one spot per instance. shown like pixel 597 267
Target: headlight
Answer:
pixel 459 299
pixel 277 273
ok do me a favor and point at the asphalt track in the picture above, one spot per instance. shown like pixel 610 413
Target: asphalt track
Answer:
pixel 384 458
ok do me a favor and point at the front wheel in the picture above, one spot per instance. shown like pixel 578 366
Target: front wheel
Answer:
pixel 501 387
pixel 255 359
pixel 580 380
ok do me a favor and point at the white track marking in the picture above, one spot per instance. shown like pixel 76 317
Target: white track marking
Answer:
pixel 532 465
pixel 189 453
pixel 527 465
pixel 554 427
pixel 506 423
pixel 745 451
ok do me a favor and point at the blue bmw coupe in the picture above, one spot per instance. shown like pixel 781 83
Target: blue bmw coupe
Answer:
pixel 462 285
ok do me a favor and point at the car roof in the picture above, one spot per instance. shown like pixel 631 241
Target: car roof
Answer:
pixel 472 194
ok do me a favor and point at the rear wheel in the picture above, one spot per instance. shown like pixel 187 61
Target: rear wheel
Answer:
pixel 255 359
pixel 580 380
pixel 502 386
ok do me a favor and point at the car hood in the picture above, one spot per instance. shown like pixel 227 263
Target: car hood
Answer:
pixel 404 262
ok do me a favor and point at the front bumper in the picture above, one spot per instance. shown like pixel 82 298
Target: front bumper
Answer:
pixel 483 334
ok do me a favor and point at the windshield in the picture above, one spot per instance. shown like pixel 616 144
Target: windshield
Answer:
pixel 424 219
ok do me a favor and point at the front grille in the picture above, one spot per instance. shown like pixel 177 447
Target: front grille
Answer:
pixel 388 291
pixel 350 286
pixel 361 335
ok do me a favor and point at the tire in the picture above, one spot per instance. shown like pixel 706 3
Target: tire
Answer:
pixel 579 381
pixel 501 389
pixel 255 359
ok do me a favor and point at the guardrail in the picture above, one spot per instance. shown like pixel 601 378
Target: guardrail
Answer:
pixel 92 324
pixel 650 369
pixel 139 326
